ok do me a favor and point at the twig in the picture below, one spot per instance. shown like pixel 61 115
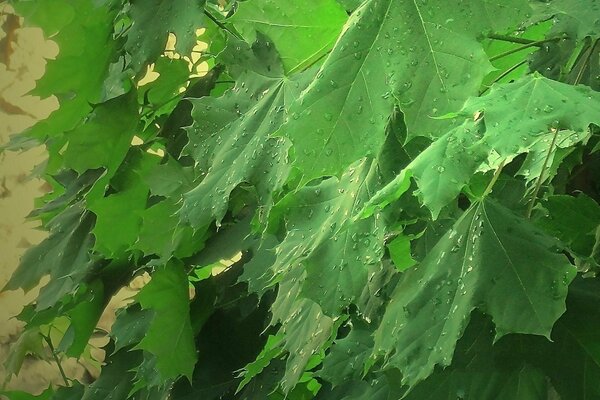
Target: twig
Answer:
pixel 540 179
pixel 221 25
pixel 56 359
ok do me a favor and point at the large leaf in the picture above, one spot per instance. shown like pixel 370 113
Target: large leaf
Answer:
pixel 169 336
pixel 237 148
pixel 492 260
pixel 302 32
pixel 513 119
pixel 484 371
pixel 422 57
pixel 338 254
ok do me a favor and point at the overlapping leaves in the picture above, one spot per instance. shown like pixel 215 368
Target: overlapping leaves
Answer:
pixel 276 167
pixel 534 115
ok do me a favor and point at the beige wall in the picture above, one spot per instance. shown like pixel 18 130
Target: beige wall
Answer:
pixel 25 55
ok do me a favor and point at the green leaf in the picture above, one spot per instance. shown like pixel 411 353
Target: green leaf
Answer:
pixel 492 260
pixel 304 327
pixel 84 317
pixel 130 326
pixel 30 342
pixel 337 253
pixel 575 366
pixel 115 380
pixel 572 219
pixel 268 353
pixel 18 395
pixel 162 234
pixel 301 32
pixel 541 107
pixel 574 17
pixel 347 355
pixel 169 336
pixel 400 252
pixel 153 20
pixel 240 150
pixel 390 193
pixel 124 206
pixel 105 137
pixel 82 30
pixel 483 370
pixel 65 255
pixel 421 57
pixel 162 93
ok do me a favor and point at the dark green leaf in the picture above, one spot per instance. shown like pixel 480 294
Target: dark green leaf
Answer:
pixel 492 260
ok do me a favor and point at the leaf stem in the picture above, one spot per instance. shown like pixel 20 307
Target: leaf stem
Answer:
pixel 56 359
pixel 538 184
pixel 503 75
pixel 511 39
pixel 525 46
pixel 221 25
pixel 585 62
pixel 490 185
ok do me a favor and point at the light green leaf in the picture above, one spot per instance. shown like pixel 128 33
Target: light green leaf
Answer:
pixel 400 252
pixel 161 232
pixel 29 342
pixel 301 32
pixel 492 260
pixel 169 336
pixel 267 354
pixel 385 196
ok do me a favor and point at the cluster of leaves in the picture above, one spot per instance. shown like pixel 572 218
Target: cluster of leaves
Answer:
pixel 411 186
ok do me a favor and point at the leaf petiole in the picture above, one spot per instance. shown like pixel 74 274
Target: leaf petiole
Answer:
pixel 540 179
pixel 525 46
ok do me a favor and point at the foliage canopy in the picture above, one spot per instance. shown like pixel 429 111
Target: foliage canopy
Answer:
pixel 411 188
